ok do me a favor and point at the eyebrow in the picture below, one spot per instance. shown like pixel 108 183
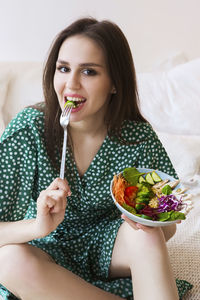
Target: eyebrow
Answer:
pixel 89 64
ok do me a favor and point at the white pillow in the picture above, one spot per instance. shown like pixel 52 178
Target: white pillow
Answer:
pixel 170 100
pixel 184 152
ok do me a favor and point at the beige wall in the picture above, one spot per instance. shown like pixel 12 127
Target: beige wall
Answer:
pixel 156 29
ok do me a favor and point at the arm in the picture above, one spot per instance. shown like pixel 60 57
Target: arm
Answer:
pixel 17 232
pixel 19 146
pixel 51 205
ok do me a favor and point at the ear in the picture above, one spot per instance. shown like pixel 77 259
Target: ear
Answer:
pixel 113 90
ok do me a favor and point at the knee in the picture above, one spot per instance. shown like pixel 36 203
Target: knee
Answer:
pixel 138 241
pixel 16 261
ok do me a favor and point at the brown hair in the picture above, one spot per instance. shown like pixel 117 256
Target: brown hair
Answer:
pixel 123 105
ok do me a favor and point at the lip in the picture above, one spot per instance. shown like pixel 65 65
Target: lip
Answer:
pixel 76 109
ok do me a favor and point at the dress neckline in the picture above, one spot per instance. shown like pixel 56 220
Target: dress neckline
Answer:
pixel 81 178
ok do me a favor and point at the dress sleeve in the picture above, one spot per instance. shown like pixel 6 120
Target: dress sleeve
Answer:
pixel 17 171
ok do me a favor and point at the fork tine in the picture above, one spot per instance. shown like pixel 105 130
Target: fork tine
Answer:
pixel 66 110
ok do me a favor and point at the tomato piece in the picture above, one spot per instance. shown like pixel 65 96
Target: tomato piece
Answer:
pixel 130 190
pixel 129 202
pixel 130 195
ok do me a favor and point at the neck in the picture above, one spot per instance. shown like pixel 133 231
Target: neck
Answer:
pixel 88 128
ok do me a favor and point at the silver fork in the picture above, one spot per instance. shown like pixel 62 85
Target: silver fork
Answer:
pixel 64 121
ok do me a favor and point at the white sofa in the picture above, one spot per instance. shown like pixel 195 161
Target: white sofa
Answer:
pixel 170 101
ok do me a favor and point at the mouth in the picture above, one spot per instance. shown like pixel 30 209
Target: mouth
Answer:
pixel 74 100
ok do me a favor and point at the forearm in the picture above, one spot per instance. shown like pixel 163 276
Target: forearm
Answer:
pixel 51 206
pixel 17 232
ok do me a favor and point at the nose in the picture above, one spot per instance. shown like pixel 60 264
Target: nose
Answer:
pixel 73 81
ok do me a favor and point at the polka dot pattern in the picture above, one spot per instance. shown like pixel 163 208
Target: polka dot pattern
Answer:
pixel 83 242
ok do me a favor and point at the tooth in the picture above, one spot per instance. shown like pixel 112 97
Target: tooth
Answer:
pixel 74 99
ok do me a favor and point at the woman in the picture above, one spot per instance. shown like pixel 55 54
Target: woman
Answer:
pixel 81 248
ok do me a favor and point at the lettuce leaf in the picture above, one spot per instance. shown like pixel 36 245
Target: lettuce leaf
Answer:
pixel 167 190
pixel 171 216
pixel 132 175
pixel 129 208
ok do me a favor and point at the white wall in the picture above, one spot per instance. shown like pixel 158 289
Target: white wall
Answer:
pixel 156 29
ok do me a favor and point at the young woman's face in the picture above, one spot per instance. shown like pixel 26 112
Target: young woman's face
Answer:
pixel 81 75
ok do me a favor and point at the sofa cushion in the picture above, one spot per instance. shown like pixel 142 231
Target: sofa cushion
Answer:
pixel 23 88
pixel 4 81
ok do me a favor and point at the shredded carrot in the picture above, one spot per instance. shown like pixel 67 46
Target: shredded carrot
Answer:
pixel 118 188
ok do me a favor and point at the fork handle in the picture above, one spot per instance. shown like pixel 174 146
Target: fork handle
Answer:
pixel 62 167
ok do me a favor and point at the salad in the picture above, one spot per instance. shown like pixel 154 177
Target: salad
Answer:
pixel 146 195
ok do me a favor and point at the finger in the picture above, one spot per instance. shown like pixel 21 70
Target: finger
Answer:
pixel 45 204
pixel 55 206
pixel 57 194
pixel 135 225
pixel 143 227
pixel 52 200
pixel 60 199
pixel 58 184
pixel 49 202
pixel 130 222
pixel 60 196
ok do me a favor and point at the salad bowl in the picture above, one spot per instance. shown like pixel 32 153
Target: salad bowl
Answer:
pixel 145 220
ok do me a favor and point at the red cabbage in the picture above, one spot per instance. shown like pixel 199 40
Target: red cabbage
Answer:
pixel 168 203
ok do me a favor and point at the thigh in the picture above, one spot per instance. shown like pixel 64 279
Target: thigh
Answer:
pixel 130 246
pixel 119 266
pixel 47 280
pixel 19 251
pixel 39 253
pixel 15 271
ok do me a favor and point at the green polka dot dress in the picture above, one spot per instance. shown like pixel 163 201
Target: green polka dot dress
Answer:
pixel 83 242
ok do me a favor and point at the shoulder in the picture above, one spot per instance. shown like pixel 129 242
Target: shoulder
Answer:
pixel 135 131
pixel 29 120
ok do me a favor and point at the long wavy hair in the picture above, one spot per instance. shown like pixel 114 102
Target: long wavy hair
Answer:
pixel 124 105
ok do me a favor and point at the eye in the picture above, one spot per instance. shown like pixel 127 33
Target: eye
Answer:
pixel 63 69
pixel 89 72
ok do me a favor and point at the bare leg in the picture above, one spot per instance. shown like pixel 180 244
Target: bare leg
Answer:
pixel 31 274
pixel 143 254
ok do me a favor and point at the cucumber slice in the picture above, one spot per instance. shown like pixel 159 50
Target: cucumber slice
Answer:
pixel 155 177
pixel 149 179
pixel 141 179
